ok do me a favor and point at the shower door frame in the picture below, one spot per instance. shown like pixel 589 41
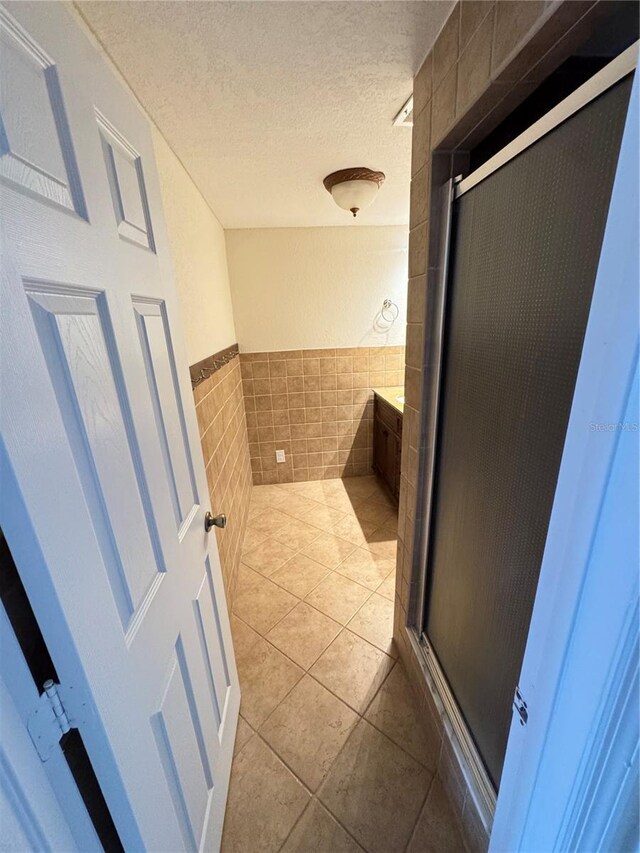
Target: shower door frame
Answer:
pixel 478 779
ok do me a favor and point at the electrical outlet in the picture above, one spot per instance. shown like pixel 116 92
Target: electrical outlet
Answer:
pixel 279 455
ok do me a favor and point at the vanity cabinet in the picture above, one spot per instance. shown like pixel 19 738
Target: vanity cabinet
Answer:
pixel 387 443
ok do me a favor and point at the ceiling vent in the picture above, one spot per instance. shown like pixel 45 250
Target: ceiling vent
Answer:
pixel 405 116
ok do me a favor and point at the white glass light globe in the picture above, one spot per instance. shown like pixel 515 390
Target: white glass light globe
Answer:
pixel 354 195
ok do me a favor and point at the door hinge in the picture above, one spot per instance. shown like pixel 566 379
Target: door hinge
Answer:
pixel 521 707
pixel 59 709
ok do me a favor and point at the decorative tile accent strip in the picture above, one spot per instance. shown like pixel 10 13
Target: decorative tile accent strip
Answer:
pixel 205 368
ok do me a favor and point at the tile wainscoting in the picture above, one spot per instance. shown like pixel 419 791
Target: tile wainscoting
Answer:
pixel 317 406
pixel 223 435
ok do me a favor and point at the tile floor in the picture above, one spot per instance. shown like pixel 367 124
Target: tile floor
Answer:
pixel 330 755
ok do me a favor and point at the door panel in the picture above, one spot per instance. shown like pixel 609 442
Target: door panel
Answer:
pixel 178 733
pixel 37 154
pixel 159 363
pixel 72 335
pixel 126 183
pixel 105 485
pixel 210 632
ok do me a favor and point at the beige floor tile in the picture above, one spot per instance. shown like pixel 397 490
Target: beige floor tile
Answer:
pixel 391 524
pixel 436 830
pixel 268 504
pixel 381 493
pixel 255 510
pixel 308 730
pixel 361 487
pixel 354 530
pixel 268 557
pixel 375 511
pixel 267 522
pixel 300 575
pixel 375 790
pixel 303 634
pixel 323 517
pixel 318 832
pixel 265 801
pixel 395 712
pixel 296 534
pixel 329 550
pixel 341 503
pixel 333 488
pixel 366 568
pixel 271 495
pixel 298 506
pixel 267 493
pixel 388 587
pixel 352 669
pixel 266 676
pixel 374 622
pixel 383 543
pixel 247 578
pixel 311 490
pixel 244 637
pixel 338 597
pixel 244 733
pixel 263 604
pixel 252 538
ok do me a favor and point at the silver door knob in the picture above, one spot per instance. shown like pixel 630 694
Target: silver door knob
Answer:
pixel 214 521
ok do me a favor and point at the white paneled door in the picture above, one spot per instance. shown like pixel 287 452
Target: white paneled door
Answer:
pixel 103 485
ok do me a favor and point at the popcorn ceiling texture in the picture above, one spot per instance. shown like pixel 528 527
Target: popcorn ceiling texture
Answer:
pixel 487 59
pixel 223 435
pixel 261 100
pixel 317 406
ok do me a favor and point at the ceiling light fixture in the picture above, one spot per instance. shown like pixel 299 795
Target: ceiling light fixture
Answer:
pixel 354 189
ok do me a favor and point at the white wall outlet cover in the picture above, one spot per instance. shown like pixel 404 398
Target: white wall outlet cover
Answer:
pixel 279 455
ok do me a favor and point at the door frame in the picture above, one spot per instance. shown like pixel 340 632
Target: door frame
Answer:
pixel 552 635
pixel 43 795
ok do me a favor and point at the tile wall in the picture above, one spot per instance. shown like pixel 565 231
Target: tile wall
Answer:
pixel 487 59
pixel 223 435
pixel 317 406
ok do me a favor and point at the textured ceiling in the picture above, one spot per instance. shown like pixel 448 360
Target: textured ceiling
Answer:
pixel 261 100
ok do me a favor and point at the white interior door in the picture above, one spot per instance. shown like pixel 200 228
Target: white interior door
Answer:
pixel 103 485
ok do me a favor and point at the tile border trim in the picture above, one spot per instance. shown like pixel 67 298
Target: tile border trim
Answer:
pixel 205 368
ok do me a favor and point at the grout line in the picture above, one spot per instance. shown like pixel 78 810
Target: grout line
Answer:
pixel 300 552
pixel 311 675
pixel 337 757
pixel 329 572
pixel 306 671
pixel 420 810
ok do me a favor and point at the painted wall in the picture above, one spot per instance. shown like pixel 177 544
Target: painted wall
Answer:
pixel 307 288
pixel 197 245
